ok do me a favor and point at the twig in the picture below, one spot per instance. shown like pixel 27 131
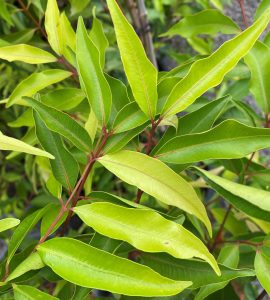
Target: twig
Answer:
pixel 244 16
pixel 262 295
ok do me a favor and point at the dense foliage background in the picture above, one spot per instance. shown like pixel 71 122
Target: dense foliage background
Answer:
pixel 135 159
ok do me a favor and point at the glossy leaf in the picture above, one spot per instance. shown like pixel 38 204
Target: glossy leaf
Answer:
pixel 228 140
pixel 27 54
pixel 208 21
pixel 258 61
pixel 140 72
pixel 25 292
pixel 8 223
pixel 34 83
pixel 11 144
pixel 63 124
pixel 156 235
pixel 95 268
pixel 64 166
pixel 262 265
pixel 155 178
pixel 252 201
pixel 209 72
pixel 92 79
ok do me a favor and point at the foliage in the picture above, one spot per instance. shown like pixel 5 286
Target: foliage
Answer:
pixel 123 176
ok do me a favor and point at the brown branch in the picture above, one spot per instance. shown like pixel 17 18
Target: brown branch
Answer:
pixel 244 16
pixel 242 242
pixel 262 295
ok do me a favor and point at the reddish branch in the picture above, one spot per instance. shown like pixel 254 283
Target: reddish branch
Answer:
pixel 244 16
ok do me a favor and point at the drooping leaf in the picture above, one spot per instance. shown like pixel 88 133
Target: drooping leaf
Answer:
pixel 90 267
pixel 258 61
pixel 34 83
pixel 64 166
pixel 8 223
pixel 92 78
pixel 252 201
pixel 210 21
pixel 156 235
pixel 209 72
pixel 155 178
pixel 262 266
pixel 228 140
pixel 63 124
pixel 11 144
pixel 26 53
pixel 25 292
pixel 140 72
pixel 199 272
pixel 25 119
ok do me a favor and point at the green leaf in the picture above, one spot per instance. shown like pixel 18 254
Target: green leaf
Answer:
pixel 262 266
pixel 156 235
pixel 52 27
pixel 258 61
pixel 129 117
pixel 34 83
pixel 264 4
pixel 155 178
pixel 8 223
pixel 32 262
pixel 87 266
pixel 230 139
pixel 25 119
pixel 199 272
pixel 4 13
pixel 209 72
pixel 210 21
pixel 11 144
pixel 92 78
pixel 63 124
pixel 27 54
pixel 25 292
pixel 252 201
pixel 140 72
pixel 65 168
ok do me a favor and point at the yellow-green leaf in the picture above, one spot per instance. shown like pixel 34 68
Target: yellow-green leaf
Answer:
pixel 8 223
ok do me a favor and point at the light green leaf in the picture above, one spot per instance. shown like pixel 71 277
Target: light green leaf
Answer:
pixel 156 235
pixel 4 13
pixel 25 119
pixel 34 83
pixel 264 4
pixel 209 72
pixel 230 139
pixel 8 223
pixel 11 144
pixel 258 61
pixel 210 21
pixel 25 292
pixel 252 201
pixel 140 72
pixel 262 267
pixel 63 124
pixel 52 27
pixel 32 262
pixel 67 35
pixel 92 79
pixel 155 178
pixel 27 54
pixel 90 267
pixel 65 168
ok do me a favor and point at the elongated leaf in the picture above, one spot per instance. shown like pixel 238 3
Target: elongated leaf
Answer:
pixel 262 265
pixel 209 72
pixel 252 201
pixel 92 79
pixel 140 72
pixel 199 272
pixel 26 53
pixel 156 179
pixel 25 292
pixel 228 140
pixel 95 268
pixel 32 262
pixel 128 118
pixel 8 223
pixel 11 144
pixel 34 83
pixel 210 21
pixel 65 168
pixel 258 61
pixel 63 124
pixel 156 235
